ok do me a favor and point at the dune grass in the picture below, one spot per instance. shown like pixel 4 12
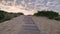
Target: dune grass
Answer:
pixel 48 14
pixel 4 16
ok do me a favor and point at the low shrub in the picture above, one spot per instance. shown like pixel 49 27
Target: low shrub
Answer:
pixel 57 18
pixel 7 16
pixel 49 14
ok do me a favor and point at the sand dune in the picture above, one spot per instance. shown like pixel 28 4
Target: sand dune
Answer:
pixel 47 26
pixel 32 24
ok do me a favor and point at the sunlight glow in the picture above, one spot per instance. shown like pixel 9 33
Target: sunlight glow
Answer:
pixel 16 9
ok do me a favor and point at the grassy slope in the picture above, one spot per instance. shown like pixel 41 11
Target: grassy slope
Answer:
pixel 49 14
pixel 4 16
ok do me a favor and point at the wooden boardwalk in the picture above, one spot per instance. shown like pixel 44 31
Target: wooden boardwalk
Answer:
pixel 19 25
pixel 29 27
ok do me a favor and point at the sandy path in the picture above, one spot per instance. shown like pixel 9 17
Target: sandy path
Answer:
pixel 46 25
pixel 11 27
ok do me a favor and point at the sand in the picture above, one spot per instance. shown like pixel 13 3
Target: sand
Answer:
pixel 47 26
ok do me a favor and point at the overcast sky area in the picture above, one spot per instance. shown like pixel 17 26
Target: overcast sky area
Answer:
pixel 39 4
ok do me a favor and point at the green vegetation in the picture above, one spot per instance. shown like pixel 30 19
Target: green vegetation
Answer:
pixel 57 18
pixel 4 16
pixel 49 14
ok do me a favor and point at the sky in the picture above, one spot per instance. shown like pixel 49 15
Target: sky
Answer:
pixel 37 4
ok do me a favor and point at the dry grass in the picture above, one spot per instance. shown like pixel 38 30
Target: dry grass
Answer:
pixel 47 26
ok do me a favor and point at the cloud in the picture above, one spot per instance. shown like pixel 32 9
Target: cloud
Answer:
pixel 40 4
